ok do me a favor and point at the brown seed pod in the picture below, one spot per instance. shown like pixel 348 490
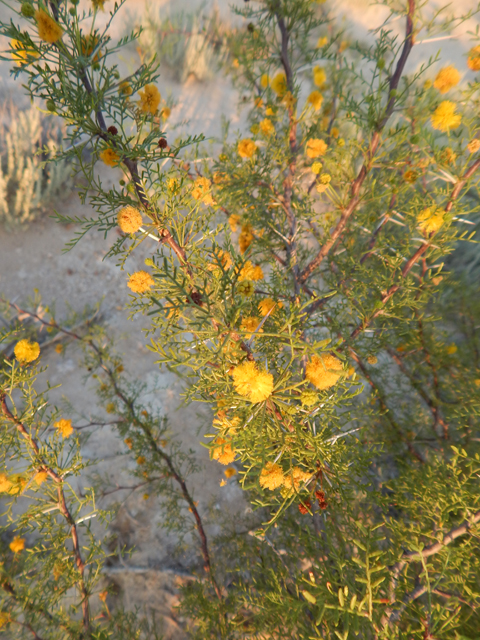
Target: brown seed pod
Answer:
pixel 162 143
pixel 113 130
pixel 196 297
pixel 305 507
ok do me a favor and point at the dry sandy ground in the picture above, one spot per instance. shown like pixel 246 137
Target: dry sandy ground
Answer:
pixel 34 259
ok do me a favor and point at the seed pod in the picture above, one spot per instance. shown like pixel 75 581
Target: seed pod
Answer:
pixel 162 143
pixel 305 507
pixel 113 130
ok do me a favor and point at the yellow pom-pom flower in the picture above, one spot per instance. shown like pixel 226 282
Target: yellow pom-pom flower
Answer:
pixel 246 237
pixel 271 476
pixel 264 81
pixel 266 127
pixel 430 219
pixel 149 99
pixel 267 304
pixel 233 221
pixel 444 117
pixel 17 544
pixel 474 145
pixel 140 281
pixel 200 190
pixel 316 148
pixel 279 84
pixel 129 219
pixel 251 272
pixel 446 79
pixel 251 382
pixel 223 451
pixel 323 371
pixel 48 29
pixel 315 99
pixel 40 477
pixel 324 181
pixel 26 351
pixel 125 88
pixel 249 325
pixel 322 41
pixel 246 148
pixel 5 484
pixel 110 157
pixel 319 76
pixel 473 60
pixel 64 427
pixel 21 55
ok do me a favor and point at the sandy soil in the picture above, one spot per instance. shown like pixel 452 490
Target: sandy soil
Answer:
pixel 34 259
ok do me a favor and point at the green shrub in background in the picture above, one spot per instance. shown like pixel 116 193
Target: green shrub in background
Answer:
pixel 297 283
pixel 186 43
pixel 27 184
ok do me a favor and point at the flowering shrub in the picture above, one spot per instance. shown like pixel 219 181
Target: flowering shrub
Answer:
pixel 307 303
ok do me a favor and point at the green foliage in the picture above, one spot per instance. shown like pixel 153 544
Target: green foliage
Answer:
pixel 298 285
pixel 28 182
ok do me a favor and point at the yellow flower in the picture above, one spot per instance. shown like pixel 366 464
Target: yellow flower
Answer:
pixel 21 55
pixel 251 382
pixel 110 157
pixel 89 43
pixel 246 148
pixel 166 112
pixel 325 180
pixel 246 237
pixel 430 220
pixel 129 219
pixel 223 451
pixel 315 99
pixel 266 127
pixel 323 371
pixel 473 60
pixel 246 288
pixel 110 408
pixel 446 78
pixel 265 305
pixel 59 348
pixel 17 544
pixel 474 145
pixel 319 76
pixel 140 281
pixel 230 472
pixel 335 132
pixel 224 258
pixel 279 84
pixel 321 42
pixel 269 111
pixel 371 360
pixel 271 476
pixel 250 325
pixel 201 186
pixel 64 427
pixel 40 477
pixel 18 484
pixel 251 272
pixel 233 221
pixel 129 442
pixel 295 478
pixel 477 382
pixel 316 148
pixel 98 4
pixel 289 100
pixel 125 89
pixel 5 484
pixel 444 118
pixel 448 156
pixel 452 349
pixel 341 142
pixel 48 30
pixel 141 460
pixel 223 482
pixel 26 351
pixel 316 168
pixel 264 81
pixel 149 99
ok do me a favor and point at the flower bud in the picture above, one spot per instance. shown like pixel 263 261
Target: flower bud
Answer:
pixel 27 10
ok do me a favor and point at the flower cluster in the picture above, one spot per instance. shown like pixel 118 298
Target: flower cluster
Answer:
pixel 223 451
pixel 140 281
pixel 48 29
pixel 272 477
pixel 149 99
pixel 246 148
pixel 129 219
pixel 200 191
pixel 251 382
pixel 430 219
pixel 323 371
pixel 110 157
pixel 444 117
pixel 26 351
pixel 316 148
pixel 64 427
pixel 446 79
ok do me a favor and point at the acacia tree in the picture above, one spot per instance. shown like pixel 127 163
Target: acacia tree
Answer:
pixel 297 284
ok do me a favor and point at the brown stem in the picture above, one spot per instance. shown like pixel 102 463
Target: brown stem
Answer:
pixel 62 505
pixel 374 144
pixel 391 615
